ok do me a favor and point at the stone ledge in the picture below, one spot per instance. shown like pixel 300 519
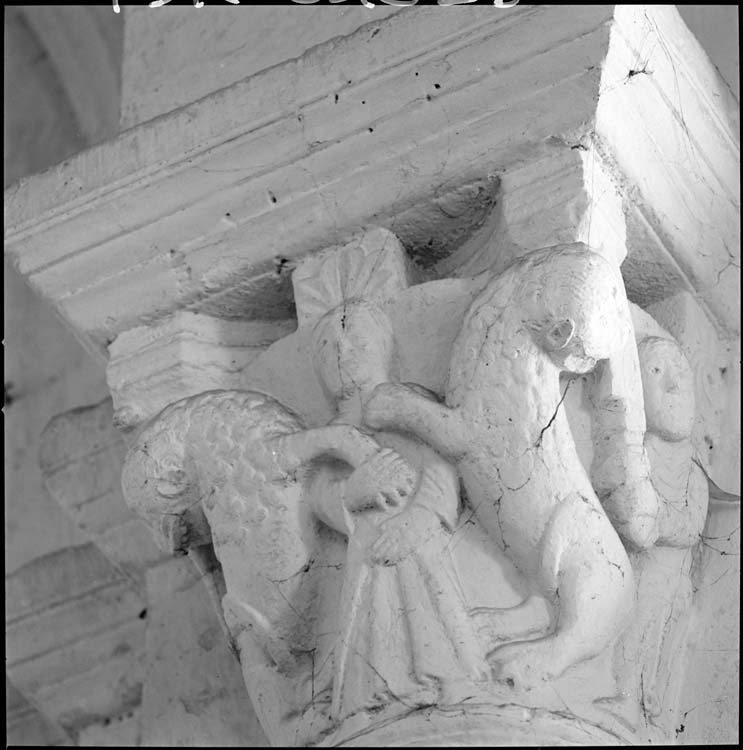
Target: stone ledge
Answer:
pixel 273 167
pixel 288 161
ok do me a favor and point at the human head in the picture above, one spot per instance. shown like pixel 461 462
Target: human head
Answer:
pixel 667 387
pixel 352 347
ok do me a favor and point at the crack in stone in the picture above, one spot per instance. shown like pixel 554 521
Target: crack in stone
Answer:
pixel 554 416
pixel 304 569
pixel 500 523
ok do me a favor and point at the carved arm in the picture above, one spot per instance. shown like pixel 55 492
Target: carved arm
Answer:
pixel 380 478
pixel 399 407
pixel 620 471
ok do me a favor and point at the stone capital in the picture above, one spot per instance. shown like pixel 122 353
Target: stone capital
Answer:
pixel 429 367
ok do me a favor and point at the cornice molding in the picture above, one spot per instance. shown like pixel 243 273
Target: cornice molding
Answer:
pixel 199 209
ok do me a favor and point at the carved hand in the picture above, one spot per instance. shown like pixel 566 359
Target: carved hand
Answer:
pixel 404 533
pixel 382 481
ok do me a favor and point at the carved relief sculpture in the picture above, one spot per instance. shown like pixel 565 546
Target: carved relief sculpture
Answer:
pixel 649 652
pixel 224 464
pixel 237 468
pixel 341 593
pixel 404 633
pixel 560 309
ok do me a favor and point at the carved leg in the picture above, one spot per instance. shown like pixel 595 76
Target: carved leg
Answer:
pixel 495 625
pixel 206 562
pixel 587 569
pixel 395 406
pixel 240 616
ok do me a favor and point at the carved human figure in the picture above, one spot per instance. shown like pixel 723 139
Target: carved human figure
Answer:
pixel 404 633
pixel 655 642
pixel 557 309
pixel 668 392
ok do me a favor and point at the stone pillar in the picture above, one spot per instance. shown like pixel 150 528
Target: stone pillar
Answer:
pixel 418 408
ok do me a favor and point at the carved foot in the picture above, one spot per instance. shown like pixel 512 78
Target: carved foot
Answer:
pixel 651 701
pixel 494 625
pixel 622 707
pixel 455 693
pixel 526 664
pixel 241 617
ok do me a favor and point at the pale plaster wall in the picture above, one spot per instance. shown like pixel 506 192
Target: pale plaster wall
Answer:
pixel 39 127
pixel 47 371
pixel 716 27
